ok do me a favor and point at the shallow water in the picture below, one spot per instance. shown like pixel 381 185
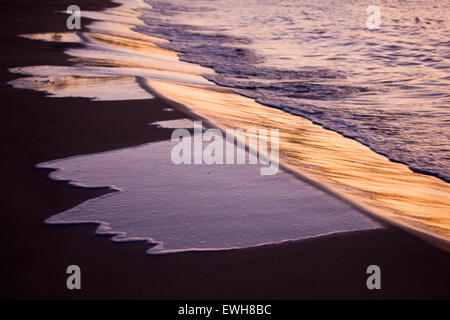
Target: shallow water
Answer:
pixel 198 207
pixel 387 88
pixel 341 166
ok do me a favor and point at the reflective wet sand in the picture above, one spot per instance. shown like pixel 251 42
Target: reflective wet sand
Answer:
pixel 389 190
pixel 342 166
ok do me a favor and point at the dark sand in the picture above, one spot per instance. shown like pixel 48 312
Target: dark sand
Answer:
pixel 35 256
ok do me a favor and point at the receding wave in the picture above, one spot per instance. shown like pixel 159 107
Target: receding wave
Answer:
pixel 385 89
pixel 336 164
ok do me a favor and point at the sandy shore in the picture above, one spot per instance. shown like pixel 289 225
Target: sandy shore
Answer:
pixel 37 129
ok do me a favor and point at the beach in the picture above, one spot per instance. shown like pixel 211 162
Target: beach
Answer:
pixel 38 129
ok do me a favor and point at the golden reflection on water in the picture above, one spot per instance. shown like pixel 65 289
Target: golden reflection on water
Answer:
pixel 387 189
pixel 391 189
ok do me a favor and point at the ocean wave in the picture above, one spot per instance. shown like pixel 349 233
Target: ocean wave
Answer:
pixel 384 95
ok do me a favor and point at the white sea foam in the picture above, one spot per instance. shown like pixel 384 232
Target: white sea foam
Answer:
pixel 327 160
pixel 198 207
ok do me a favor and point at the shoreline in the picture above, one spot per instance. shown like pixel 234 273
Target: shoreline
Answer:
pixel 41 128
pixel 350 170
pixel 436 240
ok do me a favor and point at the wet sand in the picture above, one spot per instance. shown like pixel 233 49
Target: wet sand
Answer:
pixel 37 129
